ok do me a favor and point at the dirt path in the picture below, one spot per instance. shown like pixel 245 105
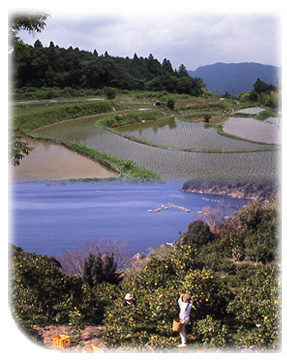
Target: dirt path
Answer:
pixel 90 335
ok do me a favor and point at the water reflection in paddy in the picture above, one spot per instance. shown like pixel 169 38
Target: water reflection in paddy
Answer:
pixel 182 134
pixel 251 111
pixel 169 164
pixel 252 129
pixel 54 162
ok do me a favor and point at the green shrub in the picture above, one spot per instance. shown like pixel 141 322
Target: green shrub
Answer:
pixel 156 290
pixel 40 291
pixel 170 102
pixel 257 237
pixel 198 234
pixel 207 118
pixel 101 268
pixel 211 332
pixel 110 92
pixel 257 303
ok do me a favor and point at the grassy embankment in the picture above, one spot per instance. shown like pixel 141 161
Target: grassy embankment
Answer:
pixel 187 108
pixel 27 119
pixel 263 115
pixel 115 114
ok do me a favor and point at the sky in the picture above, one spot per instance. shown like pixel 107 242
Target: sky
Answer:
pixel 192 38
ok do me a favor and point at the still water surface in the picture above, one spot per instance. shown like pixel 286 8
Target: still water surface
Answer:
pixel 184 134
pixel 168 164
pixel 252 129
pixel 50 219
pixel 54 162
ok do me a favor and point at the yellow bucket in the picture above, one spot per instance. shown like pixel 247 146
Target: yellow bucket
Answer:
pixel 177 325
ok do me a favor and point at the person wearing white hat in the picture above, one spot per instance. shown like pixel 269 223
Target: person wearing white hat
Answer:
pixel 129 300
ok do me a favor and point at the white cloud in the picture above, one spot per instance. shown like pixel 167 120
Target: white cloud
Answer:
pixel 193 40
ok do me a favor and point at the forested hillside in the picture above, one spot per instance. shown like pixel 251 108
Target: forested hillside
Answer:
pixel 235 78
pixel 38 66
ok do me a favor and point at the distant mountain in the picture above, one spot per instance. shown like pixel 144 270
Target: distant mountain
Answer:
pixel 235 78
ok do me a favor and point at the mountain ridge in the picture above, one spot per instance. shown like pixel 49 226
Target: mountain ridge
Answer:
pixel 235 78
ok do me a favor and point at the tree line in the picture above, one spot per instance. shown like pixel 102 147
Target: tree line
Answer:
pixel 39 66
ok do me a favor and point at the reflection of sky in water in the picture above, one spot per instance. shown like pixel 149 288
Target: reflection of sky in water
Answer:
pixel 251 111
pixel 184 135
pixel 252 129
pixel 273 120
pixel 172 164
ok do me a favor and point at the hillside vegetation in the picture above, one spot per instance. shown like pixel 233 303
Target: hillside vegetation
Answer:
pixel 230 269
pixel 52 66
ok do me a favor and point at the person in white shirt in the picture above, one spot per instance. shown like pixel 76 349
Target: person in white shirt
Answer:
pixel 185 305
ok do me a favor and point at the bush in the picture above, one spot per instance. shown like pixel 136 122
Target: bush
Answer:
pixel 257 303
pixel 212 332
pixel 234 302
pixel 101 268
pixel 207 118
pixel 208 292
pixel 257 237
pixel 110 92
pixel 198 234
pixel 156 290
pixel 170 103
pixel 40 291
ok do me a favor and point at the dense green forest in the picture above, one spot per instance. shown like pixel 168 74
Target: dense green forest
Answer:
pixel 230 268
pixel 52 66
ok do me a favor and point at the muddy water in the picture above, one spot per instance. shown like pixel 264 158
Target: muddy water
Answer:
pixel 54 162
pixel 252 129
pixel 182 134
pixel 169 164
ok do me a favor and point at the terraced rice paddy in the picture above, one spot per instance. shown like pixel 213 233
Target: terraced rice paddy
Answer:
pixel 251 111
pixel 252 129
pixel 54 162
pixel 184 135
pixel 168 163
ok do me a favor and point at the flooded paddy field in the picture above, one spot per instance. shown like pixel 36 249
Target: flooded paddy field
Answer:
pixel 184 135
pixel 252 129
pixel 168 163
pixel 54 162
pixel 251 111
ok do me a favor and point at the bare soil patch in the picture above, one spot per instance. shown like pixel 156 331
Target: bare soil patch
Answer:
pixel 90 335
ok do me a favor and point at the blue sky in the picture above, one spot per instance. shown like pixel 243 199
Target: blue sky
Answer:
pixel 191 38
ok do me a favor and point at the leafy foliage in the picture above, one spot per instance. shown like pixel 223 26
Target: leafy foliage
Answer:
pixel 198 234
pixel 257 303
pixel 236 303
pixel 265 94
pixel 258 234
pixel 17 149
pixel 211 332
pixel 31 22
pixel 40 290
pixel 58 67
pixel 100 268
